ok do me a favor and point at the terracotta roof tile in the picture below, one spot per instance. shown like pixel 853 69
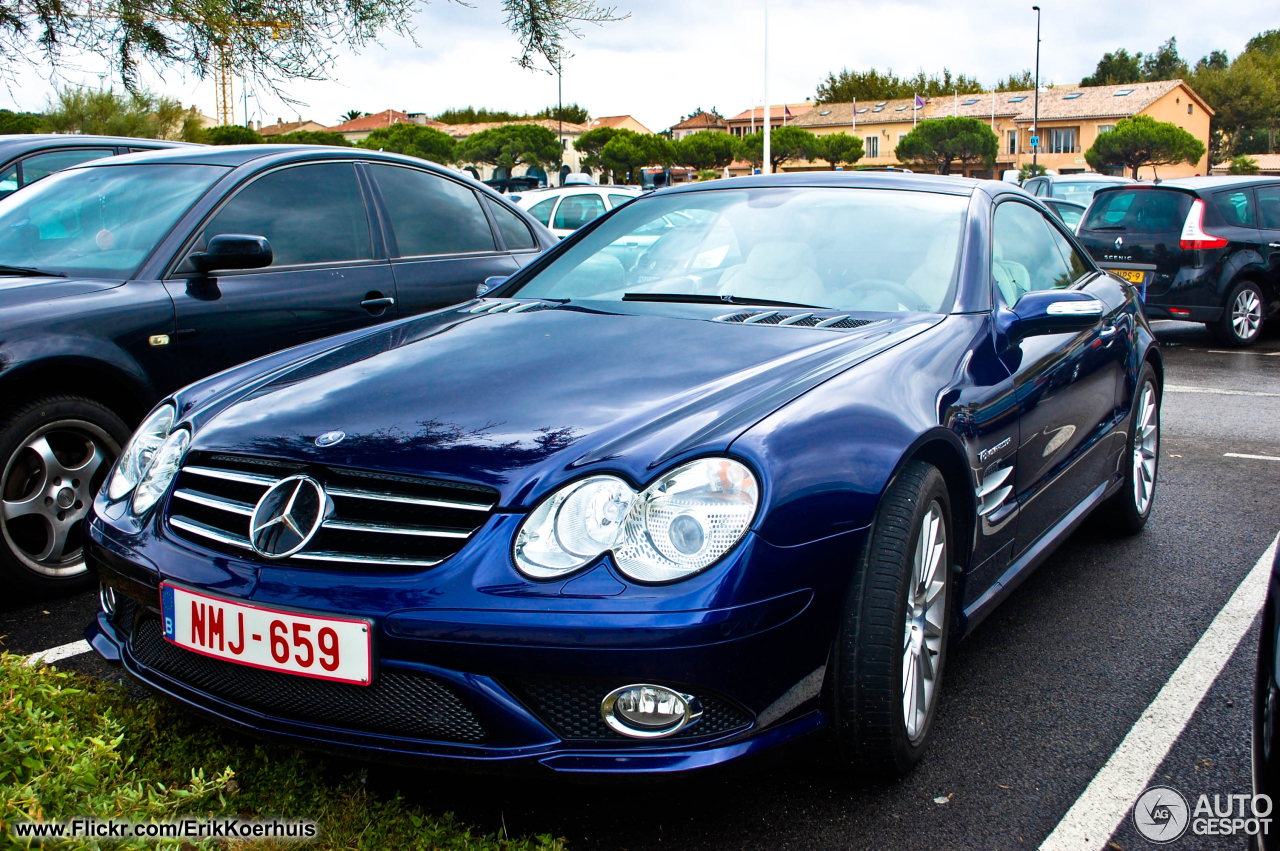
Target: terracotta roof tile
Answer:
pixel 796 109
pixel 700 121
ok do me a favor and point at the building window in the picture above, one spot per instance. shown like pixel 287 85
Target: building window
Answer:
pixel 873 146
pixel 1013 141
pixel 1062 140
pixel 1189 110
pixel 1105 128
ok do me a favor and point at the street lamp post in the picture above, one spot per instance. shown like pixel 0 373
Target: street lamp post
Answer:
pixel 768 111
pixel 1035 121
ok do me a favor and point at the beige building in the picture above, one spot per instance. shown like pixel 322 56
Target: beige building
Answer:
pixel 1071 117
pixel 619 122
pixel 281 127
pixel 699 122
pixel 359 129
pixel 751 120
pixel 568 133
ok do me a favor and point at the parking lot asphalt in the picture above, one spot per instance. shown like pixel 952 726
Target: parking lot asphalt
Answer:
pixel 1034 702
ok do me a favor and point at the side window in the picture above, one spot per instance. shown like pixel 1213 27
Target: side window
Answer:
pixel 1236 208
pixel 514 231
pixel 432 214
pixel 39 166
pixel 309 214
pixel 1024 255
pixel 1042 189
pixel 9 181
pixel 542 210
pixel 1074 261
pixel 1268 206
pixel 576 210
pixel 616 201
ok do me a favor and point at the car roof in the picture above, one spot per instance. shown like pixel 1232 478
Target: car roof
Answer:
pixel 877 180
pixel 1211 183
pixel 1089 177
pixel 18 144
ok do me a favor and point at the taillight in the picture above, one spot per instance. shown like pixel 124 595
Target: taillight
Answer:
pixel 1193 235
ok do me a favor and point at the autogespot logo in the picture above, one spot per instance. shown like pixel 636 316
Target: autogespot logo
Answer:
pixel 1161 814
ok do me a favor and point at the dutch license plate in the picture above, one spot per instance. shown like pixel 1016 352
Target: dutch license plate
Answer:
pixel 1133 276
pixel 319 646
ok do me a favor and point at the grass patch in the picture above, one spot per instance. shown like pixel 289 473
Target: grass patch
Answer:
pixel 75 746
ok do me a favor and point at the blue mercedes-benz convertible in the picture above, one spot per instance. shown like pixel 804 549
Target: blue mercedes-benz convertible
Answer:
pixel 734 464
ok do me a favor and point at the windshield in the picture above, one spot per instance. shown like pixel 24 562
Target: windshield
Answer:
pixel 1139 210
pixel 845 249
pixel 98 222
pixel 1080 191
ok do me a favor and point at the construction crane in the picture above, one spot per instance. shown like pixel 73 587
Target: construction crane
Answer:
pixel 223 82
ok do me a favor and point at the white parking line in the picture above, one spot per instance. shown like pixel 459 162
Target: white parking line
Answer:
pixel 1106 802
pixel 1243 352
pixel 1250 457
pixel 54 654
pixel 1214 391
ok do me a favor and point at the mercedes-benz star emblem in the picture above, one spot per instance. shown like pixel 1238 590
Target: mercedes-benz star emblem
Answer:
pixel 287 517
pixel 1119 242
pixel 329 438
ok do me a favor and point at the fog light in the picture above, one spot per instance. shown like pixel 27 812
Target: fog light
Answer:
pixel 107 597
pixel 648 711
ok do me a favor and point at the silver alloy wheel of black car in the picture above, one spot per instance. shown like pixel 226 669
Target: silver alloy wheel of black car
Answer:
pixel 1146 448
pixel 922 638
pixel 45 491
pixel 1246 314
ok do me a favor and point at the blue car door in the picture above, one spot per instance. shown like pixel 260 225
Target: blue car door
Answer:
pixel 1066 383
pixel 329 273
pixel 443 242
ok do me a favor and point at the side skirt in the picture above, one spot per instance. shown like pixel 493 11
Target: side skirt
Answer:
pixel 1030 560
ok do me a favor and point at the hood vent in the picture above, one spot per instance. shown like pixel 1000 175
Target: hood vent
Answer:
pixel 488 306
pixel 838 322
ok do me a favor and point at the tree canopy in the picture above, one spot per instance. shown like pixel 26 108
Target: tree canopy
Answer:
pixel 839 149
pixel 106 112
pixel 875 85
pixel 231 134
pixel 786 144
pixel 939 142
pixel 311 137
pixel 627 153
pixel 1121 67
pixel 1143 141
pixel 504 147
pixel 21 122
pixel 415 140
pixel 267 41
pixel 706 150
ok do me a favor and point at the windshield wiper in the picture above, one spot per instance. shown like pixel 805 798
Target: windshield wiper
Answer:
pixel 695 298
pixel 29 272
pixel 1109 227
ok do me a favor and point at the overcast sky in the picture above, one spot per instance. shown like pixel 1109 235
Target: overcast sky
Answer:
pixel 671 56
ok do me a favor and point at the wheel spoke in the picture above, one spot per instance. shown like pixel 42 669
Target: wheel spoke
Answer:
pixel 86 470
pixel 52 466
pixel 56 549
pixel 13 510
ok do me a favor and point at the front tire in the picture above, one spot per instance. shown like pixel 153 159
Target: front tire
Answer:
pixel 891 650
pixel 1242 318
pixel 55 452
pixel 1130 508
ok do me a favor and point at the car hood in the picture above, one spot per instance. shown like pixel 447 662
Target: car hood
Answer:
pixel 17 292
pixel 521 401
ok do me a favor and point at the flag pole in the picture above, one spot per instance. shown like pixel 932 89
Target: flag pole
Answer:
pixel 768 122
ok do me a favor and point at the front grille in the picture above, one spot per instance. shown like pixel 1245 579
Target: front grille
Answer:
pixel 837 322
pixel 379 521
pixel 571 707
pixel 399 703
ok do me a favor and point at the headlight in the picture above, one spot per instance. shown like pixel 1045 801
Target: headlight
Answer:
pixel 164 466
pixel 140 449
pixel 682 523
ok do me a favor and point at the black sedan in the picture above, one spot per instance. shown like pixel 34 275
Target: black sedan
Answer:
pixel 25 159
pixel 126 278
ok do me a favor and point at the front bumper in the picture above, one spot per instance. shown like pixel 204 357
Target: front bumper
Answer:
pixel 530 679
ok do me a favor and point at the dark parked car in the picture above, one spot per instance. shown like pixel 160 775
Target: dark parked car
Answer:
pixel 1203 249
pixel 1069 211
pixel 127 278
pixel 624 518
pixel 1078 188
pixel 1266 706
pixel 24 159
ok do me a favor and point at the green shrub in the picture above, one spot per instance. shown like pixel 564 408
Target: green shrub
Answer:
pixel 310 137
pixel 72 746
pixel 231 134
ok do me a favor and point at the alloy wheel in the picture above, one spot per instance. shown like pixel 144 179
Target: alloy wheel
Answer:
pixel 47 488
pixel 922 635
pixel 1246 314
pixel 1146 447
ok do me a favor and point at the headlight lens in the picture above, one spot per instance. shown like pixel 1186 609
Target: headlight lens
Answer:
pixel 140 449
pixel 164 466
pixel 679 525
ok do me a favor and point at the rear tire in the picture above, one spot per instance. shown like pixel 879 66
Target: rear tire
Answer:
pixel 1130 508
pixel 55 453
pixel 1242 317
pixel 890 653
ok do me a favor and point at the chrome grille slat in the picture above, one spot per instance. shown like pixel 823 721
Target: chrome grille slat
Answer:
pixel 214 502
pixel 383 496
pixel 376 520
pixel 388 529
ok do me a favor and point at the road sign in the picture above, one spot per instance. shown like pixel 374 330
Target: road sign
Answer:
pixel 1035 141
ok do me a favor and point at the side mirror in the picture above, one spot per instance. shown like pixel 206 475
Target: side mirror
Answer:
pixel 490 283
pixel 233 251
pixel 1050 312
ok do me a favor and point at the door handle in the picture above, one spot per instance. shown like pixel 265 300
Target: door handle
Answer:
pixel 379 303
pixel 1273 244
pixel 1109 331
